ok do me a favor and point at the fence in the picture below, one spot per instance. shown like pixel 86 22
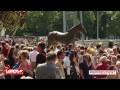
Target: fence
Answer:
pixel 103 41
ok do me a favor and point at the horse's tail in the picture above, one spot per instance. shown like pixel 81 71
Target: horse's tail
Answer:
pixel 48 40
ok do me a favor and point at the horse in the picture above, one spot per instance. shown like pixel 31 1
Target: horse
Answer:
pixel 66 38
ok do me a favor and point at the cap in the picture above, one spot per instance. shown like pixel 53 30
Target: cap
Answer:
pixel 67 53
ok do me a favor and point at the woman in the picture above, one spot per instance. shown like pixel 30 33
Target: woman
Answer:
pixel 112 67
pixel 114 60
pixel 2 66
pixel 118 69
pixel 11 57
pixel 74 66
pixel 25 63
pixel 91 66
pixel 93 57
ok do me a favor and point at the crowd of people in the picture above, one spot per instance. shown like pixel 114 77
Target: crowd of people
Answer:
pixel 58 62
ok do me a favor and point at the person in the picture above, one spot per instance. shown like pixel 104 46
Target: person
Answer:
pixel 118 69
pixel 67 64
pixel 70 47
pixel 24 77
pixel 102 66
pixel 13 42
pixel 11 57
pixel 115 50
pixel 93 57
pixel 5 49
pixel 48 70
pixel 7 66
pixel 98 48
pixel 112 67
pixel 113 60
pixel 2 67
pixel 25 63
pixel 41 57
pixel 118 57
pixel 73 61
pixel 80 57
pixel 16 52
pixel 22 46
pixel 74 67
pixel 100 54
pixel 58 48
pixel 32 57
pixel 84 68
pixel 91 66
pixel 59 63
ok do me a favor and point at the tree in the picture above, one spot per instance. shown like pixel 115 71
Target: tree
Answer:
pixel 58 24
pixel 40 22
pixel 89 22
pixel 12 20
pixel 114 27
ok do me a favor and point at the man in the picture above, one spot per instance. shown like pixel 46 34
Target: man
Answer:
pixel 84 69
pixel 59 64
pixel 41 57
pixel 32 57
pixel 48 70
pixel 67 64
pixel 5 49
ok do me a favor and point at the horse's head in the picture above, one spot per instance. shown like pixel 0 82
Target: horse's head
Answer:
pixel 81 28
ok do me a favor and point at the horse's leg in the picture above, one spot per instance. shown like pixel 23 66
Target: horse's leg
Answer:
pixel 55 44
pixel 49 43
pixel 73 43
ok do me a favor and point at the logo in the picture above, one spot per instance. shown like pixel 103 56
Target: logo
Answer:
pixel 14 72
pixel 102 72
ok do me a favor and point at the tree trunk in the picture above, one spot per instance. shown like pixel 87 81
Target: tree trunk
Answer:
pixel 95 25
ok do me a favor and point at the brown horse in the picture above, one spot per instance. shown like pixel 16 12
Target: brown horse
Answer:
pixel 55 37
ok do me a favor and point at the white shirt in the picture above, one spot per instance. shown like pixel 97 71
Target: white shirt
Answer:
pixel 32 56
pixel 93 60
pixel 67 64
pixel 80 58
pixel 56 51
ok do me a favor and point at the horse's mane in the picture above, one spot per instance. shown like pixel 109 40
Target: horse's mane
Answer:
pixel 75 26
pixel 71 28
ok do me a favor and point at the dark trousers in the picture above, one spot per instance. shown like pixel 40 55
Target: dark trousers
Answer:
pixel 74 73
pixel 66 76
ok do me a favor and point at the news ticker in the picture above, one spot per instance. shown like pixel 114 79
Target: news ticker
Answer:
pixel 103 72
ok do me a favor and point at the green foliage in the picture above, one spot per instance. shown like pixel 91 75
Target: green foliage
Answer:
pixel 12 20
pixel 39 22
pixel 88 22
